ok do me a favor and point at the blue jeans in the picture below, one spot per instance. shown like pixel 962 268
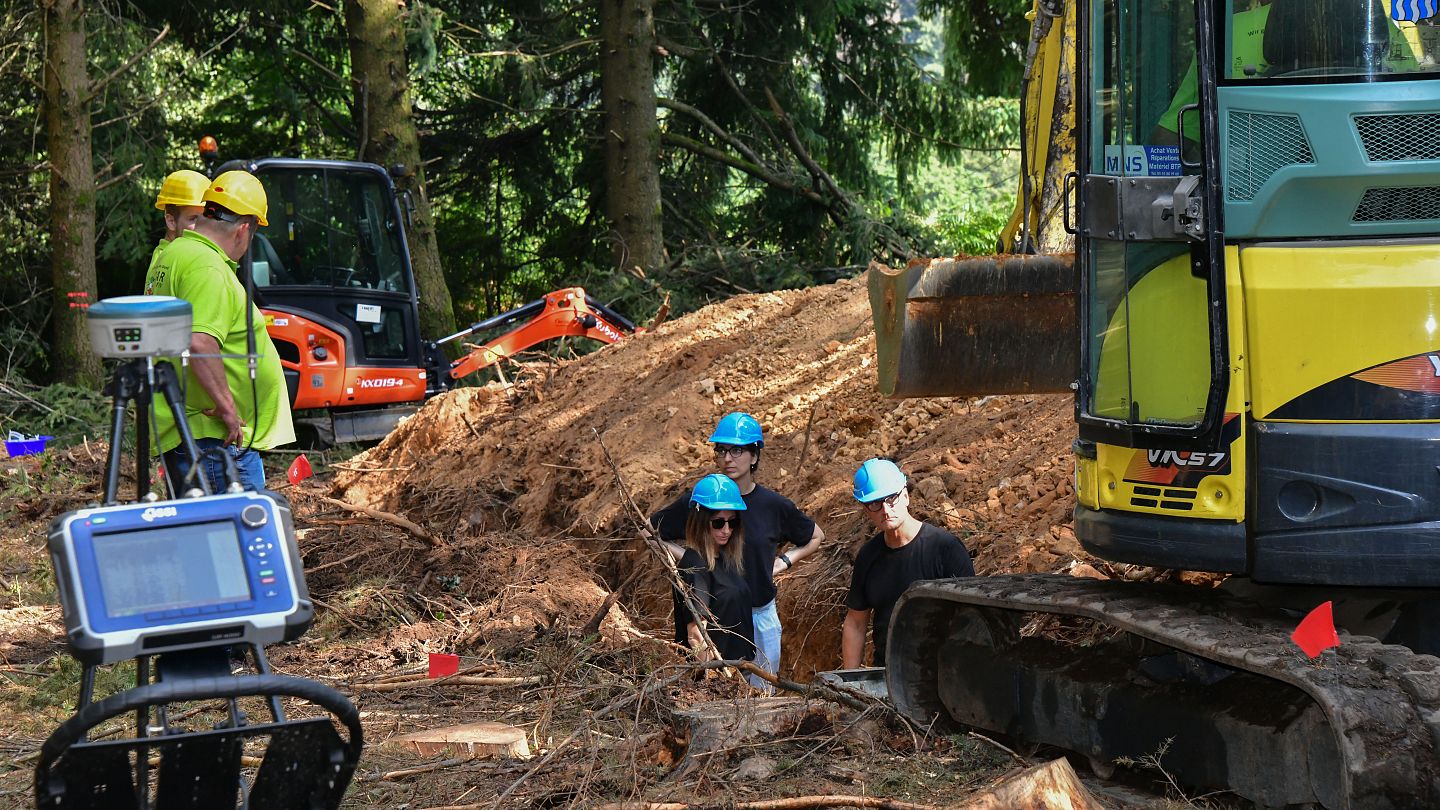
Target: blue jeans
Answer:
pixel 247 462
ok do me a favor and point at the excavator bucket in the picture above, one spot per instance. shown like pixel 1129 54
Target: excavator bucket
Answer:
pixel 964 327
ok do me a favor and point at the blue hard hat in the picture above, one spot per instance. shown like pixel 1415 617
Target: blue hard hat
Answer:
pixel 717 492
pixel 876 479
pixel 738 428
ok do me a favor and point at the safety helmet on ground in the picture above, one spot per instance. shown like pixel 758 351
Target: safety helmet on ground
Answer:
pixel 717 492
pixel 738 428
pixel 239 192
pixel 183 187
pixel 878 478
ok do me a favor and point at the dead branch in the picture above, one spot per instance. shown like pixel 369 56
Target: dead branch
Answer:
pixel 340 465
pixel 388 517
pixel 340 561
pixel 794 803
pixel 801 153
pixel 758 172
pixel 322 603
pixel 117 178
pixel 128 63
pixel 473 431
pixel 404 772
pixel 719 131
pixel 593 626
pixel 729 77
pixel 421 673
pixel 653 543
pixel 619 703
pixel 804 451
pixel 982 738
pixel 853 698
pixel 450 680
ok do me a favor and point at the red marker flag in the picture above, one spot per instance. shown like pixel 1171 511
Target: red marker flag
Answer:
pixel 442 664
pixel 1316 632
pixel 299 470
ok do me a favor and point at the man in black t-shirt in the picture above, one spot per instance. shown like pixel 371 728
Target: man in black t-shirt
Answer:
pixel 904 552
pixel 771 522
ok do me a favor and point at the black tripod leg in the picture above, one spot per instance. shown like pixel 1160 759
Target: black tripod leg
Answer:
pixel 122 388
pixel 143 401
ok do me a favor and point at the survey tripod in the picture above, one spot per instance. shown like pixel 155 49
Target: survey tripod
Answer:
pixel 208 654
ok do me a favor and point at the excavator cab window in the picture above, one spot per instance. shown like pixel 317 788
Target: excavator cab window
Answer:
pixel 334 250
pixel 1330 40
pixel 336 228
pixel 1146 314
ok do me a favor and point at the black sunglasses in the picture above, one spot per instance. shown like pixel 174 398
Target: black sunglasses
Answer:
pixel 720 523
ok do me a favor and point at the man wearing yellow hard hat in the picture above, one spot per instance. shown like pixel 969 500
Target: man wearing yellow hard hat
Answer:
pixel 228 411
pixel 180 199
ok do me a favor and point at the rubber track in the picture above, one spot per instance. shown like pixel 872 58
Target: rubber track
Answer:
pixel 1382 700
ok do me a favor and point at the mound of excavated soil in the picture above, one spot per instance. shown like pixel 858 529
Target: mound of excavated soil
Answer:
pixel 521 464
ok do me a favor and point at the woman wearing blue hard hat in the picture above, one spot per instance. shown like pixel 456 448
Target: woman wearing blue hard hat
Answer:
pixel 771 520
pixel 713 567
pixel 904 551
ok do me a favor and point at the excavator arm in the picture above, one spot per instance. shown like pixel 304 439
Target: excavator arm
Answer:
pixel 566 312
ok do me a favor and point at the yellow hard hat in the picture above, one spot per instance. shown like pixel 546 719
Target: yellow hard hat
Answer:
pixel 182 188
pixel 240 192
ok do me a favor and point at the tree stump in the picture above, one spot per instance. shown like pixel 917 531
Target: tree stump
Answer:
pixel 468 741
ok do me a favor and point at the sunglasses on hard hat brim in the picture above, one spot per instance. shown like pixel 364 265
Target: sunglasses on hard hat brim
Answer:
pixel 220 212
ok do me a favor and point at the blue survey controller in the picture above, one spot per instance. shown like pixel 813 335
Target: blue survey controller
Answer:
pixel 147 578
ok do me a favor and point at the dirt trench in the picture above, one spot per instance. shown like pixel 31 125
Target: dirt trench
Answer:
pixel 513 480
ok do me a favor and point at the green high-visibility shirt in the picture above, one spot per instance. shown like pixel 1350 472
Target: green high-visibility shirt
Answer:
pixel 1248 59
pixel 194 268
pixel 1248 51
pixel 154 258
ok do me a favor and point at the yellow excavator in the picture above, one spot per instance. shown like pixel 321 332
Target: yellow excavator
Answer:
pixel 1227 246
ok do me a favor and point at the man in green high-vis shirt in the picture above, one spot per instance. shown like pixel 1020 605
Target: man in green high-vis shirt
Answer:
pixel 228 412
pixel 181 198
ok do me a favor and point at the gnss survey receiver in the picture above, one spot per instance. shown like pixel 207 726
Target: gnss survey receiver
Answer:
pixel 191 589
pixel 178 575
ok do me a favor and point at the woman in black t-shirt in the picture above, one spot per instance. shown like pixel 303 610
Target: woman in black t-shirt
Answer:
pixel 713 567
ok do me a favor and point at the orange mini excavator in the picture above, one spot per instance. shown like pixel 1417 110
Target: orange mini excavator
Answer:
pixel 331 273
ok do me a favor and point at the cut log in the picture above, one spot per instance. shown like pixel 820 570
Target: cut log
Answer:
pixel 468 741
pixel 1053 786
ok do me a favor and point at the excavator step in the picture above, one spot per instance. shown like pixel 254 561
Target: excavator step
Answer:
pixel 1209 685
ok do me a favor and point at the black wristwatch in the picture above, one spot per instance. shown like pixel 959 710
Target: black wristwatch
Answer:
pixel 788 564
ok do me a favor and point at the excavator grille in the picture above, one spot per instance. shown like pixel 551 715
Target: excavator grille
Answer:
pixel 1399 204
pixel 1400 137
pixel 1175 498
pixel 1260 145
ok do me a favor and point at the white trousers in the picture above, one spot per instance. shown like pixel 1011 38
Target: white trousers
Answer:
pixel 767 643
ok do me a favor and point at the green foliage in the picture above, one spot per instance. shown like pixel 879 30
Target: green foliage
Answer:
pixel 984 43
pixel 875 146
pixel 67 412
pixel 61 687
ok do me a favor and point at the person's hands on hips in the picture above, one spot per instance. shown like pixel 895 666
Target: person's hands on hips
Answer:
pixel 233 423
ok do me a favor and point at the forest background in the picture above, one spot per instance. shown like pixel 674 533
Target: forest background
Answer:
pixel 649 150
